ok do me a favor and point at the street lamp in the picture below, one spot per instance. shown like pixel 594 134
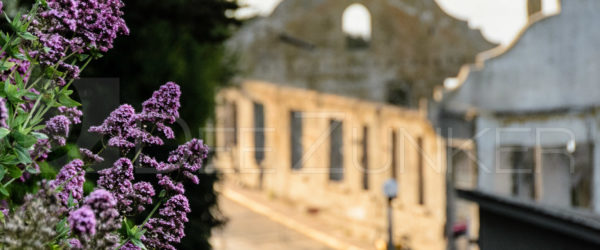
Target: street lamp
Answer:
pixel 390 190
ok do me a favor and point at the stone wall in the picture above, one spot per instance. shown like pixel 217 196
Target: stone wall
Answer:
pixel 308 186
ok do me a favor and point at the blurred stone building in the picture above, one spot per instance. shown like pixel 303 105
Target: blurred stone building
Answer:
pixel 532 113
pixel 408 48
pixel 331 155
pixel 323 114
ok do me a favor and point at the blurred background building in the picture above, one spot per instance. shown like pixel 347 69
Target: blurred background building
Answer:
pixel 531 107
pixel 324 111
pixel 501 156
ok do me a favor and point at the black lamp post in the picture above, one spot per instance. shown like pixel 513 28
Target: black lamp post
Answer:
pixel 390 190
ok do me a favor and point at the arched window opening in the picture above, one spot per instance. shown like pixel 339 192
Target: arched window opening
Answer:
pixel 356 24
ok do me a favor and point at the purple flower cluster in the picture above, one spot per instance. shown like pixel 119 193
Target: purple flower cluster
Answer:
pixel 123 129
pixel 71 178
pixel 142 196
pixel 130 246
pixel 168 228
pixel 83 222
pixel 104 204
pixel 73 114
pixel 188 158
pixel 163 108
pixel 89 157
pixel 98 233
pixel 57 129
pixel 3 112
pixel 67 26
pixel 119 181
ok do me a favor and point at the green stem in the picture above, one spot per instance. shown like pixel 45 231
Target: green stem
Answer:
pixel 152 212
pixel 9 182
pixel 80 69
pixel 37 102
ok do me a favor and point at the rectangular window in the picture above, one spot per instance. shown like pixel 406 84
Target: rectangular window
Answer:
pixel 421 173
pixel 561 169
pixel 521 161
pixel 336 151
pixel 581 179
pixel 259 132
pixel 230 124
pixel 464 169
pixel 365 158
pixel 296 139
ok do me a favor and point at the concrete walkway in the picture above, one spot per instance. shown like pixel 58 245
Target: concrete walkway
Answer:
pixel 259 222
pixel 248 230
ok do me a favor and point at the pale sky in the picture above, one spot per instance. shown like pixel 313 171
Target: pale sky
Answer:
pixel 499 20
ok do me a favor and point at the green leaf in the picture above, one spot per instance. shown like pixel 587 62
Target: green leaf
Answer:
pixel 14 171
pixel 4 132
pixel 9 160
pixel 31 95
pixel 2 218
pixel 24 140
pixel 38 127
pixel 7 65
pixel 4 192
pixel 70 202
pixel 39 136
pixel 67 101
pixel 12 93
pixel 138 243
pixel 19 83
pixel 27 36
pixel 2 173
pixel 162 194
pixel 30 169
pixel 22 154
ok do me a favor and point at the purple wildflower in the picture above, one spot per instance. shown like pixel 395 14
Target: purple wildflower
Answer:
pixel 104 205
pixel 73 114
pixel 100 200
pixel 130 246
pixel 168 184
pixel 169 227
pixel 89 156
pixel 40 150
pixel 143 193
pixel 83 222
pixel 148 161
pixel 75 244
pixel 67 26
pixel 163 107
pixel 57 129
pixel 187 158
pixel 71 177
pixel 164 104
pixel 117 122
pixel 3 112
pixel 118 180
pixel 122 128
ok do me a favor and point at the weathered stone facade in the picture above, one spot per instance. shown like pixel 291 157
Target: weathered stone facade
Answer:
pixel 339 171
pixel 533 109
pixel 414 46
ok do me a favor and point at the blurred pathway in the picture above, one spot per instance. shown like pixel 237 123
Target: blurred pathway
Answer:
pixel 247 230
